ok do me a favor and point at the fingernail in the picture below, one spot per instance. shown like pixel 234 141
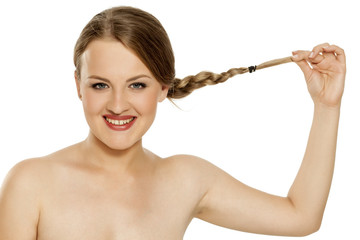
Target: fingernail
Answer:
pixel 295 56
pixel 311 55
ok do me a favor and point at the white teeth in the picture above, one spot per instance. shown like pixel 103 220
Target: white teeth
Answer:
pixel 119 122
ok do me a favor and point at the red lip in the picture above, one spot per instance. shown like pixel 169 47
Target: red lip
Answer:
pixel 119 127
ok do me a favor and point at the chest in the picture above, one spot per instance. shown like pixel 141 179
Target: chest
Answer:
pixel 88 209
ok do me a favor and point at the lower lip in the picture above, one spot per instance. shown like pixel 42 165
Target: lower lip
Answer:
pixel 120 127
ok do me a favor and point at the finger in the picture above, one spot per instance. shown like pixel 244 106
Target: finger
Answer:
pixel 305 55
pixel 300 55
pixel 337 51
pixel 318 50
pixel 317 59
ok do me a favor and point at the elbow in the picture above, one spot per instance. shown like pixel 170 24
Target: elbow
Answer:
pixel 314 223
pixel 308 228
pixel 315 226
pixel 303 231
pixel 306 222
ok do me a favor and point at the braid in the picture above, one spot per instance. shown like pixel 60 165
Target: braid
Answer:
pixel 183 87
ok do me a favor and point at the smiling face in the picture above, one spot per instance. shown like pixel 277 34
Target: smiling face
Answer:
pixel 118 92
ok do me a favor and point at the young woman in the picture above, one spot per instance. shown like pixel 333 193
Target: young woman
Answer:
pixel 110 187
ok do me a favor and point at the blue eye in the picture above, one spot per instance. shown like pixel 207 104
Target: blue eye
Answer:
pixel 138 85
pixel 99 86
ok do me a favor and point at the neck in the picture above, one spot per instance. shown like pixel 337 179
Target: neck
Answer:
pixel 100 155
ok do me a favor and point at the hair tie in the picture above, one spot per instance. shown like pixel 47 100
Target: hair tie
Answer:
pixel 252 69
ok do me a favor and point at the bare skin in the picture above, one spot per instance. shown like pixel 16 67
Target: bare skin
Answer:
pixel 77 200
pixel 93 191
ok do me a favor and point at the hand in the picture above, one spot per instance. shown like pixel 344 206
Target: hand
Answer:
pixel 324 69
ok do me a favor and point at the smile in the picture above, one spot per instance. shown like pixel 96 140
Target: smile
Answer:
pixel 119 122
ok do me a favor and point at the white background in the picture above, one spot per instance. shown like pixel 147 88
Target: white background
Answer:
pixel 255 126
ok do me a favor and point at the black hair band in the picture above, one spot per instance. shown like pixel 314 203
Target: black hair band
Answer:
pixel 252 69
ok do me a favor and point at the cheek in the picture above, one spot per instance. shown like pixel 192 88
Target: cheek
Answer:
pixel 92 103
pixel 146 103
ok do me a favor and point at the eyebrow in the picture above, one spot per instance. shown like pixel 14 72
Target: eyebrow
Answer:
pixel 128 80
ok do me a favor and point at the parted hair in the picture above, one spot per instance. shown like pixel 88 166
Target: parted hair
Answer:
pixel 143 33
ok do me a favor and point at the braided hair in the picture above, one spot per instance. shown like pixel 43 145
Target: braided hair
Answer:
pixel 183 87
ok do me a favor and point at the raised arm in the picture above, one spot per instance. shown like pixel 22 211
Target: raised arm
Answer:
pixel 231 204
pixel 325 81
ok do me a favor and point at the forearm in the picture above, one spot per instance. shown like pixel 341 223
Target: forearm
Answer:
pixel 311 187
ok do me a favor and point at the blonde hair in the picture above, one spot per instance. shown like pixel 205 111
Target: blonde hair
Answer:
pixel 183 87
pixel 143 33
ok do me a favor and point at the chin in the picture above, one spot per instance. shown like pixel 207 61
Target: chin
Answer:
pixel 120 146
pixel 112 142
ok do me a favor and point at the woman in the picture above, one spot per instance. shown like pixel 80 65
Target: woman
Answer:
pixel 110 187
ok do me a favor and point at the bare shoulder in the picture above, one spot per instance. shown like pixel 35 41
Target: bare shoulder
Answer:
pixel 192 164
pixel 197 171
pixel 195 176
pixel 20 200
pixel 22 193
pixel 25 174
pixel 29 179
pixel 33 173
pixel 188 164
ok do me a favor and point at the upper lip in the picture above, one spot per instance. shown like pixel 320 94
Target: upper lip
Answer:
pixel 117 117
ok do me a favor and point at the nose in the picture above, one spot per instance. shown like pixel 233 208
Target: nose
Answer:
pixel 118 103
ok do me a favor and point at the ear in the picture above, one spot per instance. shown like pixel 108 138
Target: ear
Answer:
pixel 163 93
pixel 77 81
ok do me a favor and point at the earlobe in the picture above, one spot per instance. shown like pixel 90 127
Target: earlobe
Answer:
pixel 77 82
pixel 164 93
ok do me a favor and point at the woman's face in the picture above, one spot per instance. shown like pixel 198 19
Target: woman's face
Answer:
pixel 118 92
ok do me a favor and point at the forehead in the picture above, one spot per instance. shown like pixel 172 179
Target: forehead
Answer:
pixel 110 58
